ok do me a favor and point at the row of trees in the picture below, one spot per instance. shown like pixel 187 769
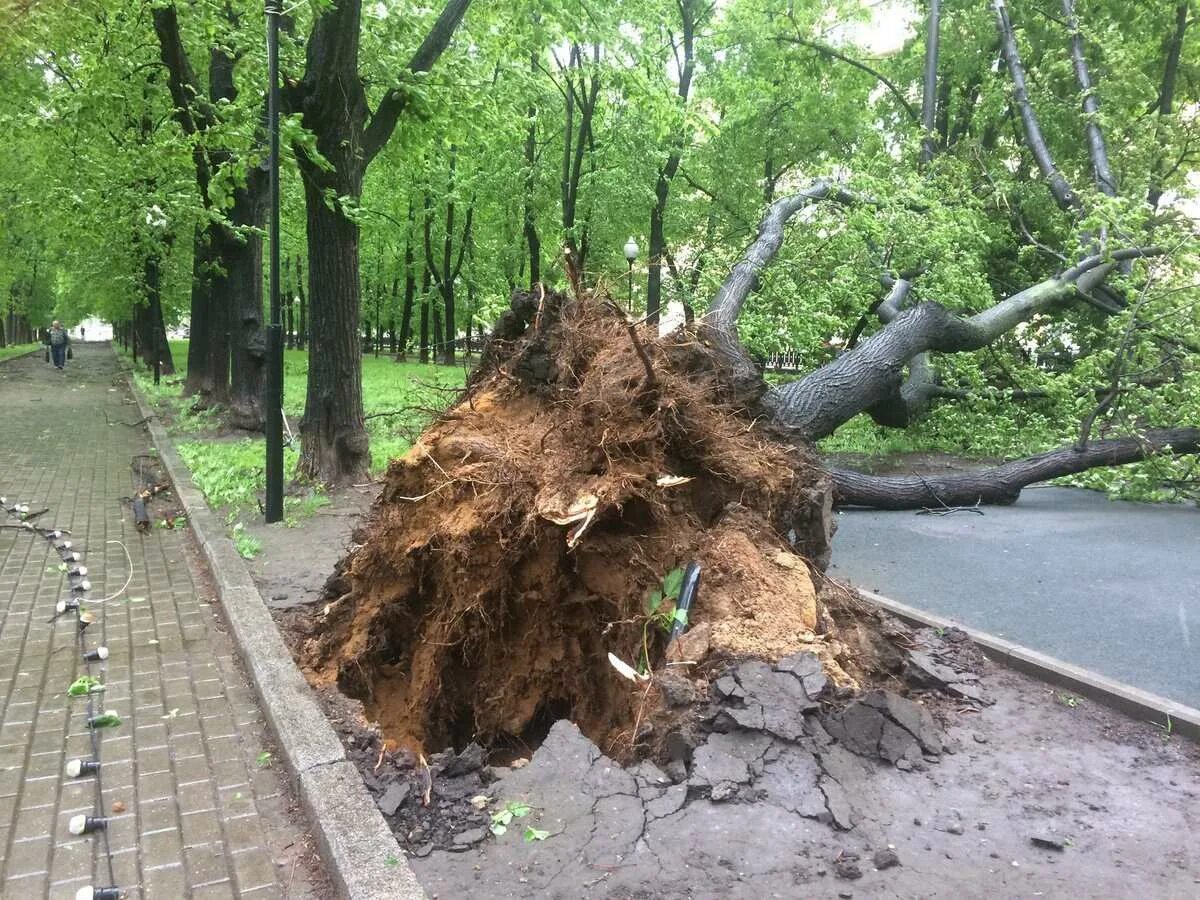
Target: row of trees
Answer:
pixel 437 159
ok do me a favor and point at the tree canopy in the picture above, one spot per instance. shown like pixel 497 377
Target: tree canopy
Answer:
pixel 510 141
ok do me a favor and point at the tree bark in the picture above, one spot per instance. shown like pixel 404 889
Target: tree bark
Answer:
pixel 870 374
pixel 302 334
pixel 1003 484
pixel 930 81
pixel 1106 182
pixel 199 379
pixel 1166 96
pixel 331 97
pixel 410 289
pixel 154 330
pixel 242 255
pixel 529 218
pixel 688 10
pixel 1063 194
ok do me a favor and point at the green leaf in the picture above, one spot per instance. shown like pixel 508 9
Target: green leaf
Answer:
pixel 672 583
pixel 263 759
pixel 535 834
pixel 653 602
pixel 391 860
pixel 680 616
pixel 498 829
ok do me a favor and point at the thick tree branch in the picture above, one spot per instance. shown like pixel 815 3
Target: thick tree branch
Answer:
pixel 1066 198
pixel 387 114
pixel 929 93
pixel 816 405
pixel 1097 148
pixel 1003 484
pixel 743 279
pixel 1166 95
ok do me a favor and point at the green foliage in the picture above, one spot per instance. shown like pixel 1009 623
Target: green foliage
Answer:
pixel 247 544
pixel 662 612
pixel 13 350
pixel 502 818
pixel 98 178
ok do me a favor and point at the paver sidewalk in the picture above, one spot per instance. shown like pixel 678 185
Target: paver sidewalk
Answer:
pixel 198 812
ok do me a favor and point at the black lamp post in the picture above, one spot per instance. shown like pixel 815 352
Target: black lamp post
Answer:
pixel 631 253
pixel 274 411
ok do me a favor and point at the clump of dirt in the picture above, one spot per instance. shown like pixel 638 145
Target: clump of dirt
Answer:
pixel 514 547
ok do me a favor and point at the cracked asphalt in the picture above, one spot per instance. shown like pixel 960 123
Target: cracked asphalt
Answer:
pixel 808 816
pixel 1110 586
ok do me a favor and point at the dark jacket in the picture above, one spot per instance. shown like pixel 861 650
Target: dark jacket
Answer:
pixel 57 337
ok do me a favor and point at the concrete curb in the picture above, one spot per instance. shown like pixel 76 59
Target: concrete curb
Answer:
pixel 359 850
pixel 1124 698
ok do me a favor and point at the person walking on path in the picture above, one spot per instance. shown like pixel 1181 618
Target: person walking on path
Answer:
pixel 58 340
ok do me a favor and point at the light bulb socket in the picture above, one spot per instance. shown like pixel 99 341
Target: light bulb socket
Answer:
pixel 77 768
pixel 78 570
pixel 98 654
pixel 81 824
pixel 62 545
pixel 92 892
pixel 63 605
pixel 84 585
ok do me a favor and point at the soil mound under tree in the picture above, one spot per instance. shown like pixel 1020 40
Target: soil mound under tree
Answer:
pixel 514 547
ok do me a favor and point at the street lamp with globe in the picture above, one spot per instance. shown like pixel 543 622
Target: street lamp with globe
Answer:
pixel 631 253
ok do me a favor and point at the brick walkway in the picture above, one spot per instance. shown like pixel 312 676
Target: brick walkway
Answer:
pixel 196 812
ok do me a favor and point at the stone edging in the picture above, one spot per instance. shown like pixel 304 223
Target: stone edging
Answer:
pixel 1124 698
pixel 359 850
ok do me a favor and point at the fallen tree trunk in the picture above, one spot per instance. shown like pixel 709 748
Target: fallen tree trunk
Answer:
pixel 1002 485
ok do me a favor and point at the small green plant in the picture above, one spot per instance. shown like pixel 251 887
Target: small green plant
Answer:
pixel 1168 729
pixel 535 834
pixel 391 860
pixel 263 759
pixel 248 546
pixel 513 809
pixel 1068 700
pixel 661 615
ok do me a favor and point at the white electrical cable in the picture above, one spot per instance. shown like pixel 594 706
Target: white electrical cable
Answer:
pixel 129 560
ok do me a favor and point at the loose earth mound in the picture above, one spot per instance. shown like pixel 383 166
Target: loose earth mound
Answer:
pixel 516 545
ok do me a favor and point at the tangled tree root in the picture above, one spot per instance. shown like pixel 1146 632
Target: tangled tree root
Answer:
pixel 514 547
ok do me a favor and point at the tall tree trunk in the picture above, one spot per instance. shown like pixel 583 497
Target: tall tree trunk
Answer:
pixel 302 334
pixel 155 329
pixel 688 10
pixel 530 222
pixel 426 300
pixel 243 257
pixel 199 379
pixel 289 301
pixel 333 103
pixel 334 446
pixel 439 335
pixel 410 290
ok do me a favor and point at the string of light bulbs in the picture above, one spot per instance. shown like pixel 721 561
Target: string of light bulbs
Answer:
pixel 88 686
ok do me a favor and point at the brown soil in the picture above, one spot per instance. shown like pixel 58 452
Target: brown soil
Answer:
pixel 472 612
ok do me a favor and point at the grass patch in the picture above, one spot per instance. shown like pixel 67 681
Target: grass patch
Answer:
pixel 16 350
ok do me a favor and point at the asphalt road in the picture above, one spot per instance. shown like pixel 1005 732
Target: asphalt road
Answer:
pixel 1110 586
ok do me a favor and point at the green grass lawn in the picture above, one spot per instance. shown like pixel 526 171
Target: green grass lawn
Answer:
pixel 16 350
pixel 229 469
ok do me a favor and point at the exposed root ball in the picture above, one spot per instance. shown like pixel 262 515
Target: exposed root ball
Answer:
pixel 513 548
